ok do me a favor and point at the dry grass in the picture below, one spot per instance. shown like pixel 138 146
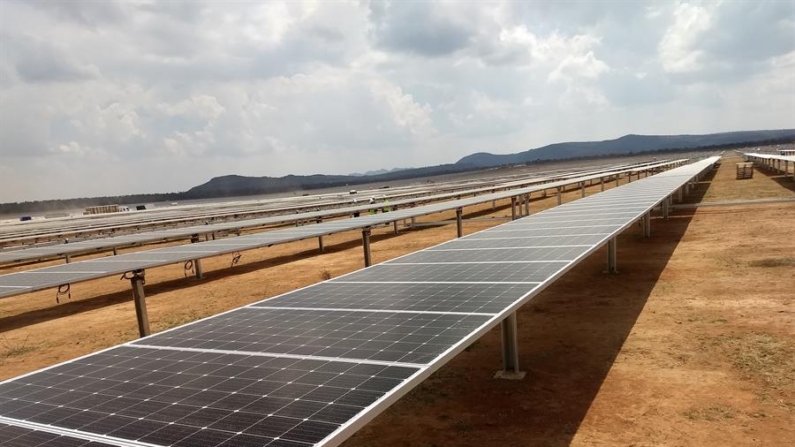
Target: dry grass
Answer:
pixel 15 348
pixel 773 262
pixel 712 413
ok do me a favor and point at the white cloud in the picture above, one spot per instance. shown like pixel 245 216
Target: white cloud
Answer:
pixel 678 49
pixel 180 92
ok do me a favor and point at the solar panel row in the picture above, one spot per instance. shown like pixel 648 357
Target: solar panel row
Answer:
pixel 37 279
pixel 311 366
pixel 41 229
pixel 773 161
pixel 88 246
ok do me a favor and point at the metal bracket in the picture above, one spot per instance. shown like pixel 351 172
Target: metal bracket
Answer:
pixel 63 289
pixel 135 274
pixel 236 258
pixel 188 267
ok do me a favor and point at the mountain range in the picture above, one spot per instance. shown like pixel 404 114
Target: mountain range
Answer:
pixel 628 144
pixel 237 185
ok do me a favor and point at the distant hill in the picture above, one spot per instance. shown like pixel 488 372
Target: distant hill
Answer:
pixel 626 145
pixel 236 185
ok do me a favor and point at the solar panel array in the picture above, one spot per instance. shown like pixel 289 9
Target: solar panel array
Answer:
pixel 42 278
pixel 51 229
pixel 312 366
pixel 773 161
pixel 91 245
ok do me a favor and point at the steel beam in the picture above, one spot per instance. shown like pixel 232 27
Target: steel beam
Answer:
pixel 510 350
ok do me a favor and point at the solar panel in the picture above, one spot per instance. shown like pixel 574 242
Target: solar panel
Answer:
pixel 306 368
pixel 382 336
pixel 173 397
pixel 418 297
pixel 455 273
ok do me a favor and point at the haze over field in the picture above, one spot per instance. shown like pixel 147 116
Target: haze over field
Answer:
pixel 108 98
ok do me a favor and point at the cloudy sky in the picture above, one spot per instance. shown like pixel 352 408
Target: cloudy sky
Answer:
pixel 106 98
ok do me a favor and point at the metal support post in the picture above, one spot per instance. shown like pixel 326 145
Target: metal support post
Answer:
pixel 560 199
pixel 510 350
pixel 629 177
pixel 681 193
pixel 513 208
pixel 320 245
pixel 366 246
pixel 611 256
pixel 647 224
pixel 665 208
pixel 527 204
pixel 197 265
pixel 493 205
pixel 602 183
pixel 194 238
pixel 395 225
pixel 137 282
pixel 115 251
pixel 459 224
pixel 68 258
pixel 618 179
pixel 582 189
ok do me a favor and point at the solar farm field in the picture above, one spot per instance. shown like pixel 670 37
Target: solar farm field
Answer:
pixel 690 344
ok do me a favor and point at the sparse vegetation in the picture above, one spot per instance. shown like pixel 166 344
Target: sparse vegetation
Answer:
pixel 712 413
pixel 14 348
pixel 760 357
pixel 773 262
pixel 325 275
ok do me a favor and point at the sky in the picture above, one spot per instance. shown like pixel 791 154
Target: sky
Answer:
pixel 105 98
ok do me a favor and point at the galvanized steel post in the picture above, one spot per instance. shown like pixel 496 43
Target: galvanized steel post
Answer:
pixel 510 350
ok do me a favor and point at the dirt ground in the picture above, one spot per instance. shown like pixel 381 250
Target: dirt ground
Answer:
pixel 692 343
